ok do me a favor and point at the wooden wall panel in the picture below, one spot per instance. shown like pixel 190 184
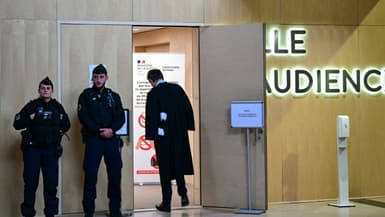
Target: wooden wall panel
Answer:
pixel 27 55
pixel 372 149
pixel 302 129
pixel 371 12
pixel 342 12
pixel 185 11
pixel 113 10
pixel 345 12
pixel 32 9
pixel 249 11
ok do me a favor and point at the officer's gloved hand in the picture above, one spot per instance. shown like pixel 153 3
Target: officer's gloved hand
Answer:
pixel 59 151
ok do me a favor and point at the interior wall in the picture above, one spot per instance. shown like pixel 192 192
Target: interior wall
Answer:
pixel 185 11
pixel 27 55
pixel 179 40
pixel 327 12
pixel 114 10
pixel 302 129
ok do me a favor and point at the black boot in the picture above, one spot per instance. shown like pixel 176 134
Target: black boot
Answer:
pixel 116 214
pixel 185 201
pixel 163 208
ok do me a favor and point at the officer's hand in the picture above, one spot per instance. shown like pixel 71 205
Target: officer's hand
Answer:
pixel 106 132
pixel 32 116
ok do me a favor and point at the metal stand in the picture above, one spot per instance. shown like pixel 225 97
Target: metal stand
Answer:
pixel 343 185
pixel 249 210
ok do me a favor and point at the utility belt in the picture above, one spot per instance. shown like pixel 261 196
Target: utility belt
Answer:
pixel 29 140
pixel 88 136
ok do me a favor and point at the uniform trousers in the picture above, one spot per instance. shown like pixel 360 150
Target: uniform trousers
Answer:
pixel 96 148
pixel 46 159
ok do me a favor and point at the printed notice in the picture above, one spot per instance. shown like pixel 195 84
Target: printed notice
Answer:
pixel 247 114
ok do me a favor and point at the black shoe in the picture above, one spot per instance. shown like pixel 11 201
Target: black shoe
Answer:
pixel 163 208
pixel 117 214
pixel 88 215
pixel 185 201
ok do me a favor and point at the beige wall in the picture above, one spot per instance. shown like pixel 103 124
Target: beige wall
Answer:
pixel 302 129
pixel 28 52
pixel 27 55
pixel 168 11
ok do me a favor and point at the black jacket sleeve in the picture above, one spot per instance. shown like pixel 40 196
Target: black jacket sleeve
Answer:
pixel 22 119
pixel 189 113
pixel 152 113
pixel 118 115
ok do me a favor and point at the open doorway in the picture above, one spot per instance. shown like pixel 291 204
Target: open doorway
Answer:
pixel 180 46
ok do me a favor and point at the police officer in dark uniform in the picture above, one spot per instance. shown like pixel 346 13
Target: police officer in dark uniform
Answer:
pixel 45 122
pixel 101 113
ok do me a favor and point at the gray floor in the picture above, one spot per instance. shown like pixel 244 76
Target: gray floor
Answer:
pixel 148 195
pixel 316 209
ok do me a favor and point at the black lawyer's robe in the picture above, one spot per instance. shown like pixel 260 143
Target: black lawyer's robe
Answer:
pixel 173 149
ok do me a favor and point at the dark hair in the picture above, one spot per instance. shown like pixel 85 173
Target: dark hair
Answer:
pixel 99 69
pixel 154 75
pixel 46 81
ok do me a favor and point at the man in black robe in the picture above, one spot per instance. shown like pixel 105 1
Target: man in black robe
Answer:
pixel 169 116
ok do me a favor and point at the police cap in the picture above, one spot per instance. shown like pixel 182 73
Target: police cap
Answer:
pixel 99 69
pixel 46 81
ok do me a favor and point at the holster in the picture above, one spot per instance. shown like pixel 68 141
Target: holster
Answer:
pixel 59 147
pixel 121 142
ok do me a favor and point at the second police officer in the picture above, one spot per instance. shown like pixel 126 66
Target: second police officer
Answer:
pixel 101 114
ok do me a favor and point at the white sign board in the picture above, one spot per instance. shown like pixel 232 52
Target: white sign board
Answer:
pixel 247 114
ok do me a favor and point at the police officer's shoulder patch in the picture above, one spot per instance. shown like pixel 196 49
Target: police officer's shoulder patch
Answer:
pixel 79 107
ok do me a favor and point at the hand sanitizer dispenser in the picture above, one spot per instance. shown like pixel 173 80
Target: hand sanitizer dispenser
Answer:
pixel 342 126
